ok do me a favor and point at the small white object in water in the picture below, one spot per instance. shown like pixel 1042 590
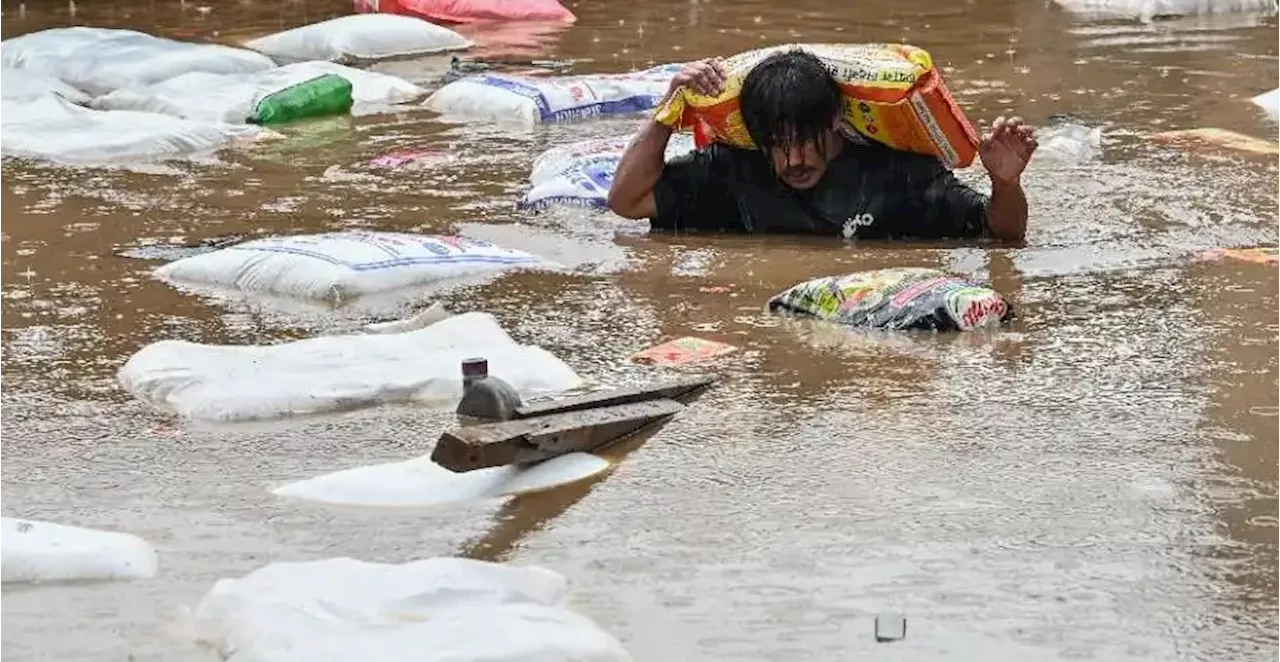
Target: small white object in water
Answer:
pixel 451 609
pixel 421 482
pixel 434 313
pixel 1069 144
pixel 1269 102
pixel 32 551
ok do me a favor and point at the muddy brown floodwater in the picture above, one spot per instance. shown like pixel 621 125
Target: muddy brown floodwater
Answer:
pixel 1096 482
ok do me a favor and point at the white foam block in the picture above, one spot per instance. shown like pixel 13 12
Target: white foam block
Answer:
pixel 339 372
pixel 32 551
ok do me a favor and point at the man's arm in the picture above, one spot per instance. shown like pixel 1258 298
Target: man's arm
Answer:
pixel 1007 211
pixel 631 195
pixel 954 210
pixel 1005 154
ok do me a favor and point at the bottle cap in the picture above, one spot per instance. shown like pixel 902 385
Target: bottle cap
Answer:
pixel 475 368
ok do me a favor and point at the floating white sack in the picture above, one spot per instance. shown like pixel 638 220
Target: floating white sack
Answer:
pixel 32 551
pixel 441 609
pixel 359 37
pixel 421 482
pixel 99 60
pixel 340 372
pixel 55 130
pixel 580 174
pixel 21 85
pixel 1146 10
pixel 533 100
pixel 234 97
pixel 1269 102
pixel 553 161
pixel 342 265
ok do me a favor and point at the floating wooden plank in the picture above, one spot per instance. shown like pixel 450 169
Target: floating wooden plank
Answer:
pixel 681 390
pixel 525 440
pixel 1215 137
pixel 1262 255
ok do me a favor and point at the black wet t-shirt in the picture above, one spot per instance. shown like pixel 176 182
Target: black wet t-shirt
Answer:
pixel 868 191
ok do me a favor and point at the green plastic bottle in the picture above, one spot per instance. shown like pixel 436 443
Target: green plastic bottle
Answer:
pixel 329 94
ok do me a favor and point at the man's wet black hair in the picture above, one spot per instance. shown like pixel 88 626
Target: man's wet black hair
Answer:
pixel 787 98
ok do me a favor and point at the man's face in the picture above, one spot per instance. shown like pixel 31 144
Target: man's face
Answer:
pixel 801 166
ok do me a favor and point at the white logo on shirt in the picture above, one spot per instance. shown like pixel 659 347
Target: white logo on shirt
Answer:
pixel 856 221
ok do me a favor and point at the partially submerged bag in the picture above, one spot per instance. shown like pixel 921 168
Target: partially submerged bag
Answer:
pixel 33 551
pixel 22 85
pixel 361 37
pixel 442 609
pixel 52 129
pixel 533 100
pixel 580 174
pixel 893 95
pixel 897 299
pixel 257 97
pixel 467 11
pixel 100 60
pixel 336 372
pixel 340 265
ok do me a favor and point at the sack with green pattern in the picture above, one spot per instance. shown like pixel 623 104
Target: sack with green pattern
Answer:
pixel 897 299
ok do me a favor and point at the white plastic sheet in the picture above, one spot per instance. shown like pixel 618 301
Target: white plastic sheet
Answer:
pixel 52 129
pixel 1147 10
pixel 420 482
pixel 233 97
pixel 1068 144
pixel 32 551
pixel 532 100
pixel 1269 102
pixel 99 60
pixel 580 174
pixel 433 610
pixel 340 265
pixel 339 372
pixel 359 37
pixel 21 85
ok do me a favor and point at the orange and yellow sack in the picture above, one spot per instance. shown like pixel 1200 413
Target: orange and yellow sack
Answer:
pixel 893 95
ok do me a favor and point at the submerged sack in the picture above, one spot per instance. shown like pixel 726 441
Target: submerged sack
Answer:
pixel 897 299
pixel 533 100
pixel 342 265
pixel 336 372
pixel 245 97
pixel 361 37
pixel 23 85
pixel 467 11
pixel 100 60
pixel 440 609
pixel 53 129
pixel 36 552
pixel 580 174
pixel 893 95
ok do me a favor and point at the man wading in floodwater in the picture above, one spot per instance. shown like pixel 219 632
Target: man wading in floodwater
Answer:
pixel 808 177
